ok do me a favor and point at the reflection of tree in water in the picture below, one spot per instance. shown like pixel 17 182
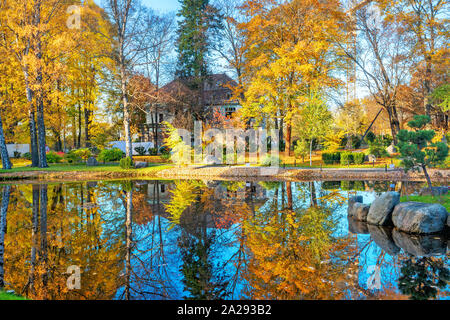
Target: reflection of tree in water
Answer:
pixel 188 208
pixel 422 277
pixel 293 253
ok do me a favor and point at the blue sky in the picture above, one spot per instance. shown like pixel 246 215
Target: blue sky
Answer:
pixel 162 5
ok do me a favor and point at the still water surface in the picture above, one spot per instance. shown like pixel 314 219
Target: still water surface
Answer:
pixel 211 240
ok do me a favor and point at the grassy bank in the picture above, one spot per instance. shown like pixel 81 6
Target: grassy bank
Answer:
pixel 443 200
pixel 8 296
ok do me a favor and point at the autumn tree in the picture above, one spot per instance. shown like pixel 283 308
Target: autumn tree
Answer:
pixel 289 50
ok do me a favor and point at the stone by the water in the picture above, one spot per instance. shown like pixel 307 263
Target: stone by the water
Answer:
pixel 357 227
pixel 92 162
pixel 381 209
pixel 421 218
pixel 359 211
pixel 140 165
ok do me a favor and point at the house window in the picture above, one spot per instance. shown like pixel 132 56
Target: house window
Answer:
pixel 161 117
pixel 163 188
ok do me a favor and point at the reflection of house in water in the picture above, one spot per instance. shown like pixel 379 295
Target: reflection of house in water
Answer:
pixel 218 212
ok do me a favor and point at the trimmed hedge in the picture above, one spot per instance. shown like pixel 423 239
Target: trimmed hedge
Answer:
pixel 358 157
pixel 331 157
pixel 347 158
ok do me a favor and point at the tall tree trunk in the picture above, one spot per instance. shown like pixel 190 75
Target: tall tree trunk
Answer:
pixel 3 212
pixel 40 92
pixel 427 176
pixel 6 162
pixel 288 138
pixel 310 152
pixel 289 195
pixel 87 127
pixel 31 121
pixel 126 115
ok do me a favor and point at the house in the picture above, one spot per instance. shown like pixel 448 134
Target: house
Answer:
pixel 178 97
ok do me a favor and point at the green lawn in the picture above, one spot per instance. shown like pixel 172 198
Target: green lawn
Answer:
pixel 444 200
pixel 60 167
pixel 9 296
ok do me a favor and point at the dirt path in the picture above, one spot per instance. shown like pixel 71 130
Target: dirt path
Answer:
pixel 229 173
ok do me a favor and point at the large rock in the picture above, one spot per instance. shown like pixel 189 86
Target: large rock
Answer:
pixel 359 211
pixel 357 227
pixel 92 162
pixel 382 236
pixel 140 165
pixel 381 209
pixel 420 245
pixel 417 217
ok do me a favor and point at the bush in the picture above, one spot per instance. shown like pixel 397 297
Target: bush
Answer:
pixel 358 157
pixel 109 155
pixel 377 148
pixel 347 158
pixel 126 163
pixel 140 150
pixel 270 160
pixel 331 158
pixel 27 155
pixel 83 154
pixel 52 157
pixel 301 149
pixel 17 154
pixel 152 151
pixel 72 157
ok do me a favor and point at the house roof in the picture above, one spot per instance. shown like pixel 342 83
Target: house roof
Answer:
pixel 216 89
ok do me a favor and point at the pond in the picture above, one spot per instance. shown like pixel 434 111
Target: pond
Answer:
pixel 191 239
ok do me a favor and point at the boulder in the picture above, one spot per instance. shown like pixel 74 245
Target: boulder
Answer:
pixel 420 245
pixel 417 217
pixel 439 191
pixel 381 209
pixel 359 211
pixel 140 165
pixel 383 238
pixel 92 162
pixel 357 227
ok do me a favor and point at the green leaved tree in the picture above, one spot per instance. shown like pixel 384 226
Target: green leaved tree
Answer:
pixel 417 149
pixel 180 151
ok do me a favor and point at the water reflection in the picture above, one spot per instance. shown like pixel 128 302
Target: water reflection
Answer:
pixel 211 240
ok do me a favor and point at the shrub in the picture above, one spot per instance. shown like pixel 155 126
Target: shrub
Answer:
pixel 347 158
pixel 126 163
pixel 83 154
pixel 331 158
pixel 109 155
pixel 27 155
pixel 270 160
pixel 17 154
pixel 301 149
pixel 377 148
pixel 72 157
pixel 358 157
pixel 52 157
pixel 152 151
pixel 140 150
